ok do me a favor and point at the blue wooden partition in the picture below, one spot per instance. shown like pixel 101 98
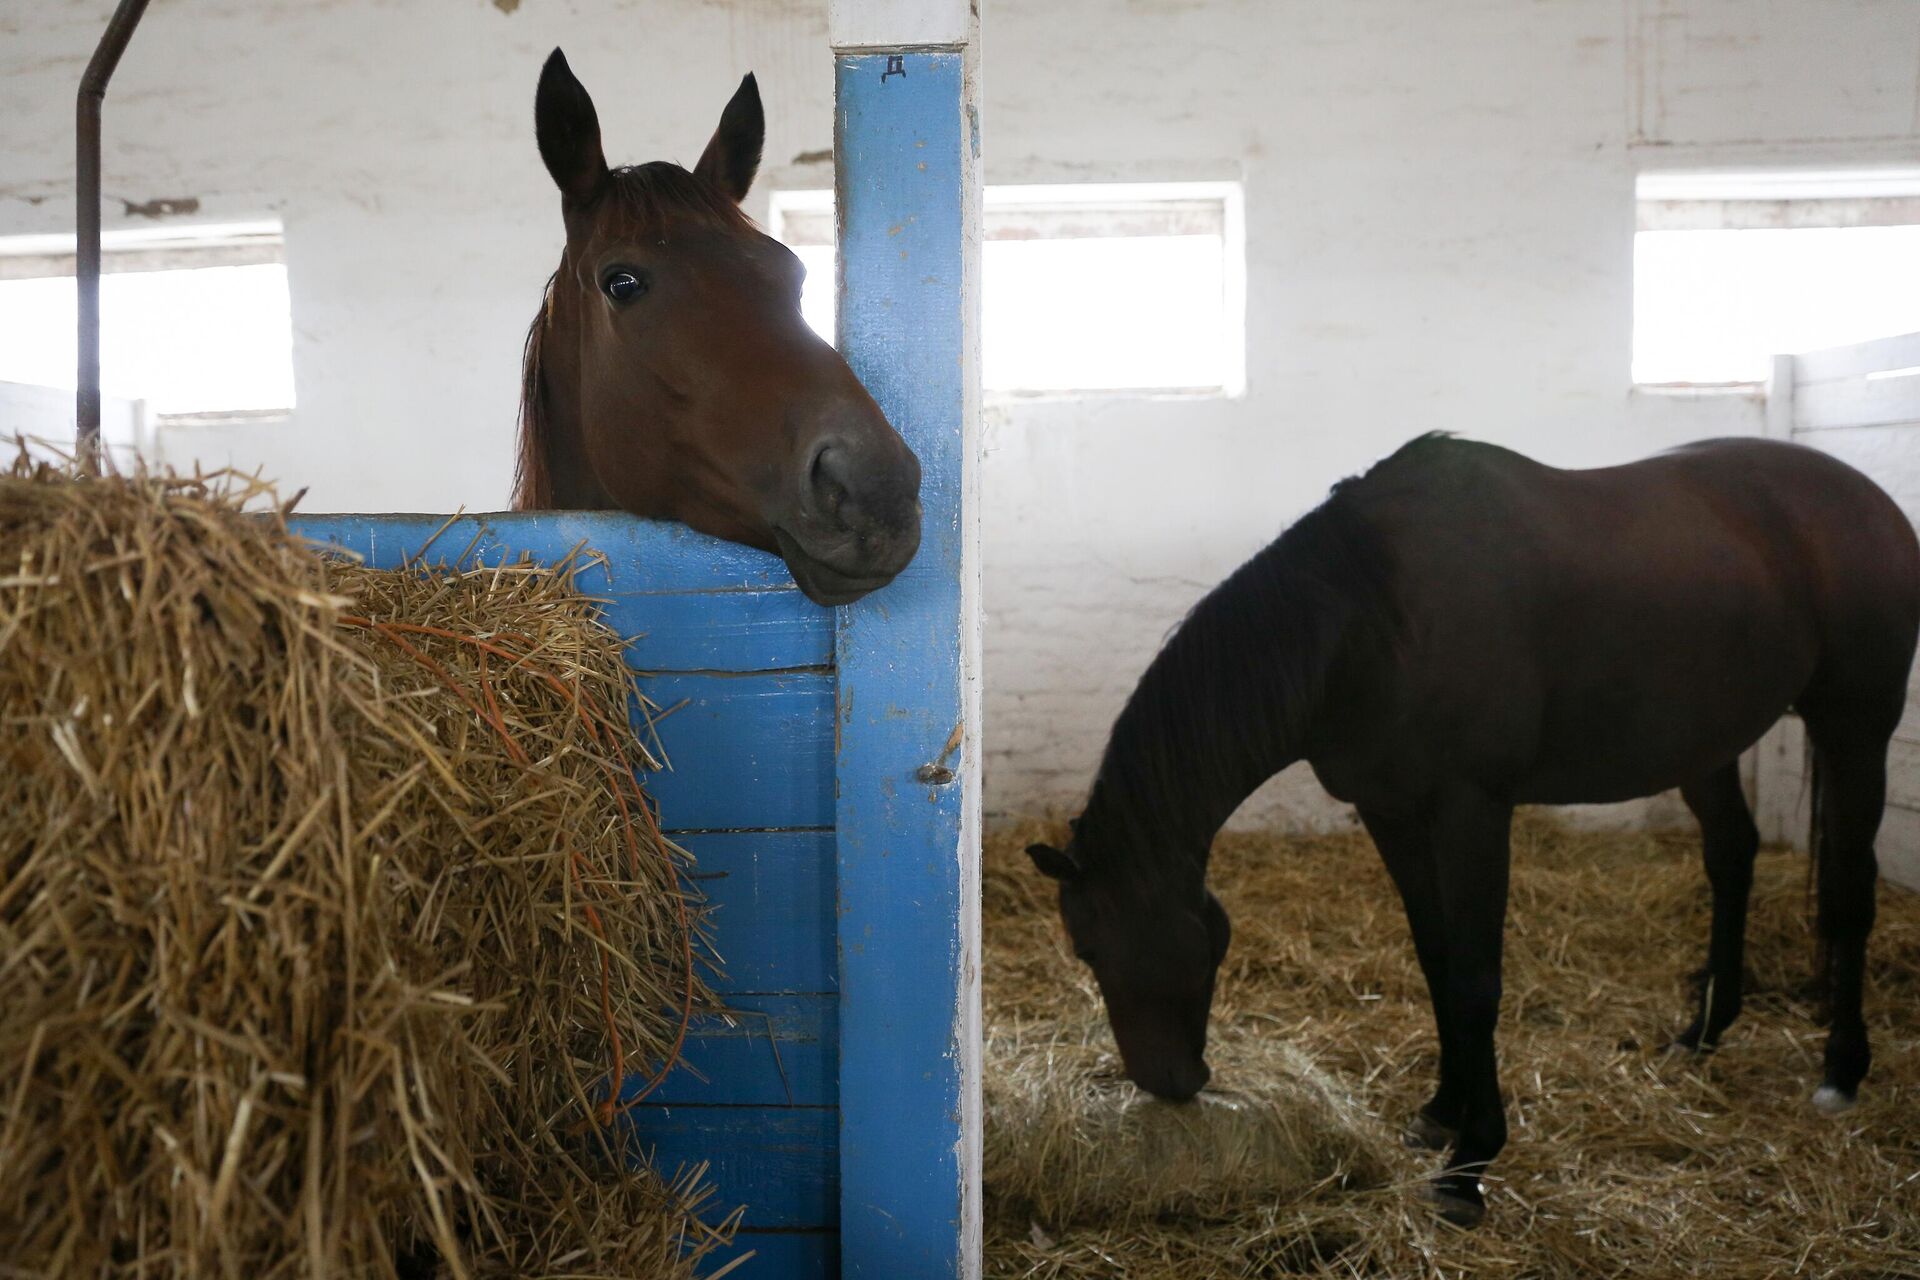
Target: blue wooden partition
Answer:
pixel 746 663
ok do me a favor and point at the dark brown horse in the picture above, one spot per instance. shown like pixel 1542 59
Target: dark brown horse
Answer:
pixel 1462 630
pixel 669 372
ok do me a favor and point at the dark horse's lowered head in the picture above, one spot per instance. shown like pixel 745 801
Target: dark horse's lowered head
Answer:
pixel 670 373
pixel 1158 982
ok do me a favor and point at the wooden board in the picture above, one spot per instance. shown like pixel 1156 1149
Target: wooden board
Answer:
pixel 787 1157
pixel 744 752
pixel 766 1051
pixel 1882 402
pixel 639 555
pixel 787 1255
pixel 1857 360
pixel 723 630
pixel 772 898
pixel 905 151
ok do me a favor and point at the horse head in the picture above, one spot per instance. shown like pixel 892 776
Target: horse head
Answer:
pixel 670 373
pixel 1155 945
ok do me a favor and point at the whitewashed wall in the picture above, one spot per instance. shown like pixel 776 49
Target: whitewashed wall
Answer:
pixel 1439 213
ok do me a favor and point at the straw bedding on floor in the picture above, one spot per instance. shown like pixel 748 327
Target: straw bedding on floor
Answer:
pixel 328 903
pixel 1622 1161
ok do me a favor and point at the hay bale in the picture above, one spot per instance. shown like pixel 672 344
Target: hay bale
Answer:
pixel 1069 1139
pixel 328 904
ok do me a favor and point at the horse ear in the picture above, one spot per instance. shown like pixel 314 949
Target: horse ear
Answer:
pixel 732 156
pixel 568 130
pixel 1057 863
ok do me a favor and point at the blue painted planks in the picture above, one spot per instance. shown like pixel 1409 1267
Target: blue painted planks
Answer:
pixel 781 1162
pixel 770 1050
pixel 722 630
pixel 904 148
pixel 642 555
pixel 750 751
pixel 747 751
pixel 688 602
pixel 771 897
pixel 785 1255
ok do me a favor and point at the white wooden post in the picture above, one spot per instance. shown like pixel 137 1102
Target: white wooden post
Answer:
pixel 1778 424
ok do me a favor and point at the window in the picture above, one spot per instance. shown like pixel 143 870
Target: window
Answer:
pixel 193 320
pixel 1102 288
pixel 1732 269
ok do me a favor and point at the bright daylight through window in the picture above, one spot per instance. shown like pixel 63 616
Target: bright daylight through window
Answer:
pixel 1117 288
pixel 1730 270
pixel 195 321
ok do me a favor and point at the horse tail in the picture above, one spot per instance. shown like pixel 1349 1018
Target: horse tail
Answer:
pixel 1814 842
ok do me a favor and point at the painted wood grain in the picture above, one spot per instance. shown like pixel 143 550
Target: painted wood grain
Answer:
pixel 771 895
pixel 746 751
pixel 903 150
pixel 641 555
pixel 782 1163
pixel 722 630
pixel 783 1255
pixel 767 1050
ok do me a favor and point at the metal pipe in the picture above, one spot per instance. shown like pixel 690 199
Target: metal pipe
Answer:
pixel 93 92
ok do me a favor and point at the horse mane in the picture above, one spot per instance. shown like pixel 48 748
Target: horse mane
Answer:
pixel 656 196
pixel 532 480
pixel 1231 697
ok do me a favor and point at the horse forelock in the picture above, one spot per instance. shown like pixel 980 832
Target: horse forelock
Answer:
pixel 661 194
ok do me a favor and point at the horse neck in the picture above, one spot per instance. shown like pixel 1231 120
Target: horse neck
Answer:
pixel 1232 698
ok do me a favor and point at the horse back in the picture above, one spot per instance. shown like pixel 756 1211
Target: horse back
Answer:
pixel 1601 634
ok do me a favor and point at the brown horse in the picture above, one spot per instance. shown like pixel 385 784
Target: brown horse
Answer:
pixel 670 374
pixel 1462 630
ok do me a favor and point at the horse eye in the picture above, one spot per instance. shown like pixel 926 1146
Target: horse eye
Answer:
pixel 622 285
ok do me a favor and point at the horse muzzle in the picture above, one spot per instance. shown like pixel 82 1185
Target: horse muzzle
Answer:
pixel 857 522
pixel 831 579
pixel 1175 1082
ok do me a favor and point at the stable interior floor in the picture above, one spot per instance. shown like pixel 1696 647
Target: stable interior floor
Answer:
pixel 1622 1161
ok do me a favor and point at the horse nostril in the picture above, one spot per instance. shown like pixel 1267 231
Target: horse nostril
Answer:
pixel 827 479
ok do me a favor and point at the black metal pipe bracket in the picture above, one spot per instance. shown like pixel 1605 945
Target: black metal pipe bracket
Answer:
pixel 86 249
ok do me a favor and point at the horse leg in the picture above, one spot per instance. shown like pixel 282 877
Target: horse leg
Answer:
pixel 1406 847
pixel 1729 841
pixel 1853 792
pixel 1470 846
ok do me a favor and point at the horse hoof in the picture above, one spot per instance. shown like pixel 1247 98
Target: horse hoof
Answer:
pixel 1465 1212
pixel 1832 1100
pixel 1424 1133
